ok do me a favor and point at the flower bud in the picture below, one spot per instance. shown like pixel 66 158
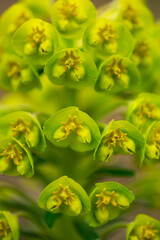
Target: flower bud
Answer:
pixel 152 151
pixel 102 216
pixel 129 146
pixel 59 135
pixel 105 153
pixel 84 135
pixel 122 201
pixel 29 50
pixel 106 82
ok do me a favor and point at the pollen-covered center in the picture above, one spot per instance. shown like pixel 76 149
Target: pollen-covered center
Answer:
pixel 131 14
pixel 141 50
pixel 14 70
pixel 116 68
pixel 107 34
pixel 37 36
pixel 4 229
pixel 147 232
pixel 12 153
pixel 71 125
pixel 106 198
pixel 70 61
pixel 63 195
pixel 68 10
pixel 147 110
pixel 116 137
pixel 20 126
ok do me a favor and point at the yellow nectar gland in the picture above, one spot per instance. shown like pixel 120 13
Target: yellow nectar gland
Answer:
pixel 115 137
pixel 14 70
pixel 148 233
pixel 12 153
pixel 106 198
pixel 20 127
pixel 147 110
pixel 70 61
pixel 107 34
pixel 68 10
pixel 20 20
pixel 156 138
pixel 63 195
pixel 141 50
pixel 116 68
pixel 37 36
pixel 3 229
pixel 71 125
pixel 131 14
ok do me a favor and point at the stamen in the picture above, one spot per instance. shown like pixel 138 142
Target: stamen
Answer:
pixel 37 36
pixel 106 198
pixel 21 19
pixel 3 229
pixel 147 110
pixel 148 233
pixel 12 153
pixel 116 68
pixel 63 195
pixel 70 61
pixel 68 10
pixel 107 34
pixel 131 14
pixel 71 125
pixel 141 50
pixel 20 127
pixel 14 70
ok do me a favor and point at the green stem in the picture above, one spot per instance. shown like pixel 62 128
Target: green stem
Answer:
pixel 112 228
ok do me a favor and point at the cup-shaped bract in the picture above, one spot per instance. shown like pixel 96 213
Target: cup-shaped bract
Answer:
pixel 24 127
pixel 143 227
pixel 15 158
pixel 71 17
pixel 107 201
pixel 36 41
pixel 144 110
pixel 120 137
pixel 11 20
pixel 40 8
pixel 72 128
pixel 72 68
pixel 117 74
pixel 17 75
pixel 104 38
pixel 65 196
pixel 136 15
pixel 9 229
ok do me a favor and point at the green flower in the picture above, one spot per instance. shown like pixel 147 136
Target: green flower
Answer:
pixel 143 227
pixel 120 137
pixel 24 127
pixel 65 196
pixel 71 127
pixel 104 37
pixel 72 68
pixel 107 201
pixel 15 158
pixel 144 110
pixel 117 74
pixel 17 75
pixel 36 41
pixel 9 229
pixel 71 17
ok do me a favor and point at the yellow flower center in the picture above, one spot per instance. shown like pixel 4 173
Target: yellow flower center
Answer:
pixel 147 110
pixel 107 34
pixel 141 50
pixel 116 68
pixel 63 195
pixel 68 10
pixel 70 61
pixel 3 229
pixel 14 70
pixel 12 153
pixel 115 137
pixel 71 125
pixel 20 20
pixel 20 127
pixel 131 14
pixel 148 233
pixel 106 198
pixel 37 36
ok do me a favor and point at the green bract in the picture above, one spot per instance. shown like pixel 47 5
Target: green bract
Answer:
pixel 36 41
pixel 117 74
pixel 24 127
pixel 120 137
pixel 40 8
pixel 107 201
pixel 144 110
pixel 15 158
pixel 104 37
pixel 135 14
pixel 143 227
pixel 71 67
pixel 66 196
pixel 70 17
pixel 9 229
pixel 71 127
pixel 17 75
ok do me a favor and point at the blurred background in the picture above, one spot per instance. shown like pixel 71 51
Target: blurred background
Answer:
pixel 153 4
